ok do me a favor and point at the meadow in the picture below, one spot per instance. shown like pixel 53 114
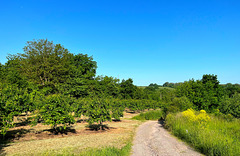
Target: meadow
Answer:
pixel 208 133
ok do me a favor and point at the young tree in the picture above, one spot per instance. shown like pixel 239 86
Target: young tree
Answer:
pixel 98 110
pixel 55 110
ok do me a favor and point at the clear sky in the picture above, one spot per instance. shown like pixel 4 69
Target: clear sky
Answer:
pixel 148 41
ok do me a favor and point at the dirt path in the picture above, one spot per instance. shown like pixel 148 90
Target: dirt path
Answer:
pixel 153 140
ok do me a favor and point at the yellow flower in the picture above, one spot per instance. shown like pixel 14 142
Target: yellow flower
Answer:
pixel 201 119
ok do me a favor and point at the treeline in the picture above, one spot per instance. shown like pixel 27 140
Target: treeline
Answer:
pixel 207 94
pixel 53 86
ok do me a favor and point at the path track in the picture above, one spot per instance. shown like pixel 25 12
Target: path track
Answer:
pixel 153 140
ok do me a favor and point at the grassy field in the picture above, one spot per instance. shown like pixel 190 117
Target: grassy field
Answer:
pixel 208 134
pixel 116 140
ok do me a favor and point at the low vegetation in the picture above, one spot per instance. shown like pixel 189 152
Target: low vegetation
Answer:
pixel 150 115
pixel 209 134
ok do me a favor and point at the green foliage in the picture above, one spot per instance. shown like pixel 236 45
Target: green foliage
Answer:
pixel 182 103
pixel 107 86
pixel 220 137
pixel 55 110
pixel 13 101
pixel 127 89
pixel 141 105
pixel 44 62
pixel 81 79
pixel 98 110
pixel 150 115
pixel 231 105
pixel 204 94
pixel 117 108
pixel 231 89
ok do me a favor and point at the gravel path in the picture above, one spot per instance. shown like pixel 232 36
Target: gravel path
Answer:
pixel 153 140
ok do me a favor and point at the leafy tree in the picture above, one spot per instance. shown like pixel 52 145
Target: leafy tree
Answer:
pixel 204 94
pixel 231 105
pixel 117 109
pixel 139 93
pixel 127 89
pixel 55 110
pixel 231 89
pixel 98 110
pixel 13 101
pixel 108 86
pixel 44 62
pixel 182 103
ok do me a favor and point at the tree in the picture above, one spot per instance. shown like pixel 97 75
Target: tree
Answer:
pixel 231 105
pixel 98 110
pixel 204 94
pixel 55 110
pixel 13 101
pixel 231 89
pixel 127 89
pixel 44 62
pixel 108 86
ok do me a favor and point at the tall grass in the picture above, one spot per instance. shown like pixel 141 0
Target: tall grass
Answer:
pixel 218 137
pixel 150 115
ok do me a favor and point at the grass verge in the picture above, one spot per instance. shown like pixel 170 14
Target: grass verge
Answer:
pixel 217 136
pixel 109 151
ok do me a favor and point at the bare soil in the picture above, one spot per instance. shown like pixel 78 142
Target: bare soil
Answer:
pixel 153 140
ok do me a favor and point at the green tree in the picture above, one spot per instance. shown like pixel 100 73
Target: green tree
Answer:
pixel 204 94
pixel 127 89
pixel 231 89
pixel 13 101
pixel 44 62
pixel 55 110
pixel 98 110
pixel 231 105
pixel 108 86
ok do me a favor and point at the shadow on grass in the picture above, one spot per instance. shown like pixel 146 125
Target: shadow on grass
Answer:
pixel 97 127
pixel 116 120
pixel 60 130
pixel 23 123
pixel 10 136
pixel 81 121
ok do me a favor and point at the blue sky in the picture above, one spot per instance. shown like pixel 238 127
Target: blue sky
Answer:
pixel 148 41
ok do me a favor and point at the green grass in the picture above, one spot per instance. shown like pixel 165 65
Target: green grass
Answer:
pixel 108 151
pixel 220 137
pixel 150 115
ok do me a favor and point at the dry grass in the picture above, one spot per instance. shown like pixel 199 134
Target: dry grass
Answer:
pixel 118 135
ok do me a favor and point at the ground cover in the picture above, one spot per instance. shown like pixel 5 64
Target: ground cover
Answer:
pixel 39 140
pixel 211 135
